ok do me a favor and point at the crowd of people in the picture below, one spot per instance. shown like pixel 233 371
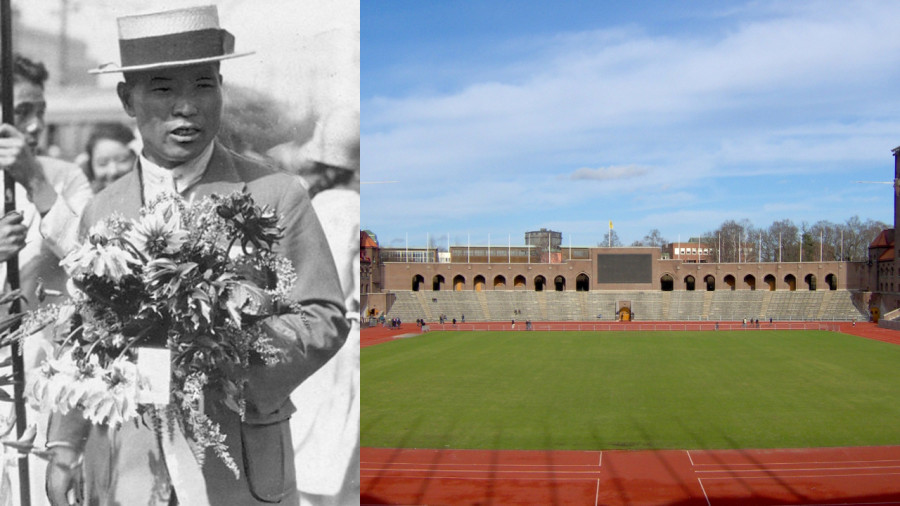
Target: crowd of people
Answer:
pixel 298 437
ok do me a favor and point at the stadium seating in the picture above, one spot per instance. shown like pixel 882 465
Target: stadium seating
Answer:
pixel 727 305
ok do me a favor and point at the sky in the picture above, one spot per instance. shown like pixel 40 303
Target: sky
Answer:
pixel 482 120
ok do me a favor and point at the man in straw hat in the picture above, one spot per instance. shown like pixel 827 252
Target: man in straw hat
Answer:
pixel 172 87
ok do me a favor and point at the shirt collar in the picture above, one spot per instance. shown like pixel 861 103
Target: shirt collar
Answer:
pixel 181 177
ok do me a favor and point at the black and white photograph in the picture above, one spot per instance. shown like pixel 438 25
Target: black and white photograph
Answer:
pixel 179 253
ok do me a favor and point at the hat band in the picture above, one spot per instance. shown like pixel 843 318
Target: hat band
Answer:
pixel 199 44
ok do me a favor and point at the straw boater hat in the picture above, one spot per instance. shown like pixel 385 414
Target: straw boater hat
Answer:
pixel 336 140
pixel 335 143
pixel 172 38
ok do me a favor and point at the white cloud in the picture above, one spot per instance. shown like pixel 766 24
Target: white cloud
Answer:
pixel 609 173
pixel 803 89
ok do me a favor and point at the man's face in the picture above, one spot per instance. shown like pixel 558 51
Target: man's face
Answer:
pixel 178 110
pixel 29 107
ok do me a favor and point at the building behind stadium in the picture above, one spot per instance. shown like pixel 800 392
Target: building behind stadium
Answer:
pixel 545 280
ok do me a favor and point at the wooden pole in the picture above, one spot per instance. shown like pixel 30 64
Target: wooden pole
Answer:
pixel 12 265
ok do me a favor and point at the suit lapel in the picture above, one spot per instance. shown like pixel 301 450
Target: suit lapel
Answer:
pixel 129 200
pixel 221 176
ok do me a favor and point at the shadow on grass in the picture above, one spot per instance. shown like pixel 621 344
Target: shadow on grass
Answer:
pixel 733 445
pixel 397 451
pixel 647 435
pixel 436 458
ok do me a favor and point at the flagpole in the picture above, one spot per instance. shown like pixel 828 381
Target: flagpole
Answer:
pixel 12 264
pixel 821 243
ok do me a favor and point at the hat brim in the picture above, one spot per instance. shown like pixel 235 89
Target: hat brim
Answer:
pixel 111 68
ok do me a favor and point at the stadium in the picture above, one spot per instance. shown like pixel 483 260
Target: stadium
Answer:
pixel 545 281
pixel 735 383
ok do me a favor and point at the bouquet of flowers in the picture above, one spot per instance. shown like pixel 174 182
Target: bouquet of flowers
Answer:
pixel 194 280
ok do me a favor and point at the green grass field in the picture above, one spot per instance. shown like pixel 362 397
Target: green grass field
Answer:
pixel 635 390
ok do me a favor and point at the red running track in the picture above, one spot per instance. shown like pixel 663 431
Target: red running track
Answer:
pixel 822 476
pixel 815 476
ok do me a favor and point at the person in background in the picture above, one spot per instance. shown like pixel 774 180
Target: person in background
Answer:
pixel 108 154
pixel 51 195
pixel 326 428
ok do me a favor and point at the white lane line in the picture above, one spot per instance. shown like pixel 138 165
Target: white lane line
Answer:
pixel 780 477
pixel 799 462
pixel 793 469
pixel 704 492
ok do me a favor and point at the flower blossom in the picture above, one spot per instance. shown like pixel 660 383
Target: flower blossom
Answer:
pixel 155 236
pixel 101 257
pixel 114 399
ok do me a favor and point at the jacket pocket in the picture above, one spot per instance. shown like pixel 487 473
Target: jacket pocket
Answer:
pixel 269 460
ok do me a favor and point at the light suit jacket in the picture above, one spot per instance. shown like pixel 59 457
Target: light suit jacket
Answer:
pixel 124 467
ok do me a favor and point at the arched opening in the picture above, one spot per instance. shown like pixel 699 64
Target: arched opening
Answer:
pixel 479 283
pixel 770 280
pixel 559 284
pixel 625 314
pixel 750 281
pixel 499 283
pixel 710 283
pixel 791 282
pixel 689 283
pixel 539 283
pixel 831 281
pixel 459 283
pixel 810 282
pixel 437 282
pixel 730 282
pixel 519 281
pixel 666 283
pixel 417 281
pixel 582 283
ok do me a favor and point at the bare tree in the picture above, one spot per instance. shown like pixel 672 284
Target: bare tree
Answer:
pixel 781 241
pixel 611 239
pixel 652 239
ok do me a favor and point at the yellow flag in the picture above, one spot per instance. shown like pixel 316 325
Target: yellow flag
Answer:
pixel 610 224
